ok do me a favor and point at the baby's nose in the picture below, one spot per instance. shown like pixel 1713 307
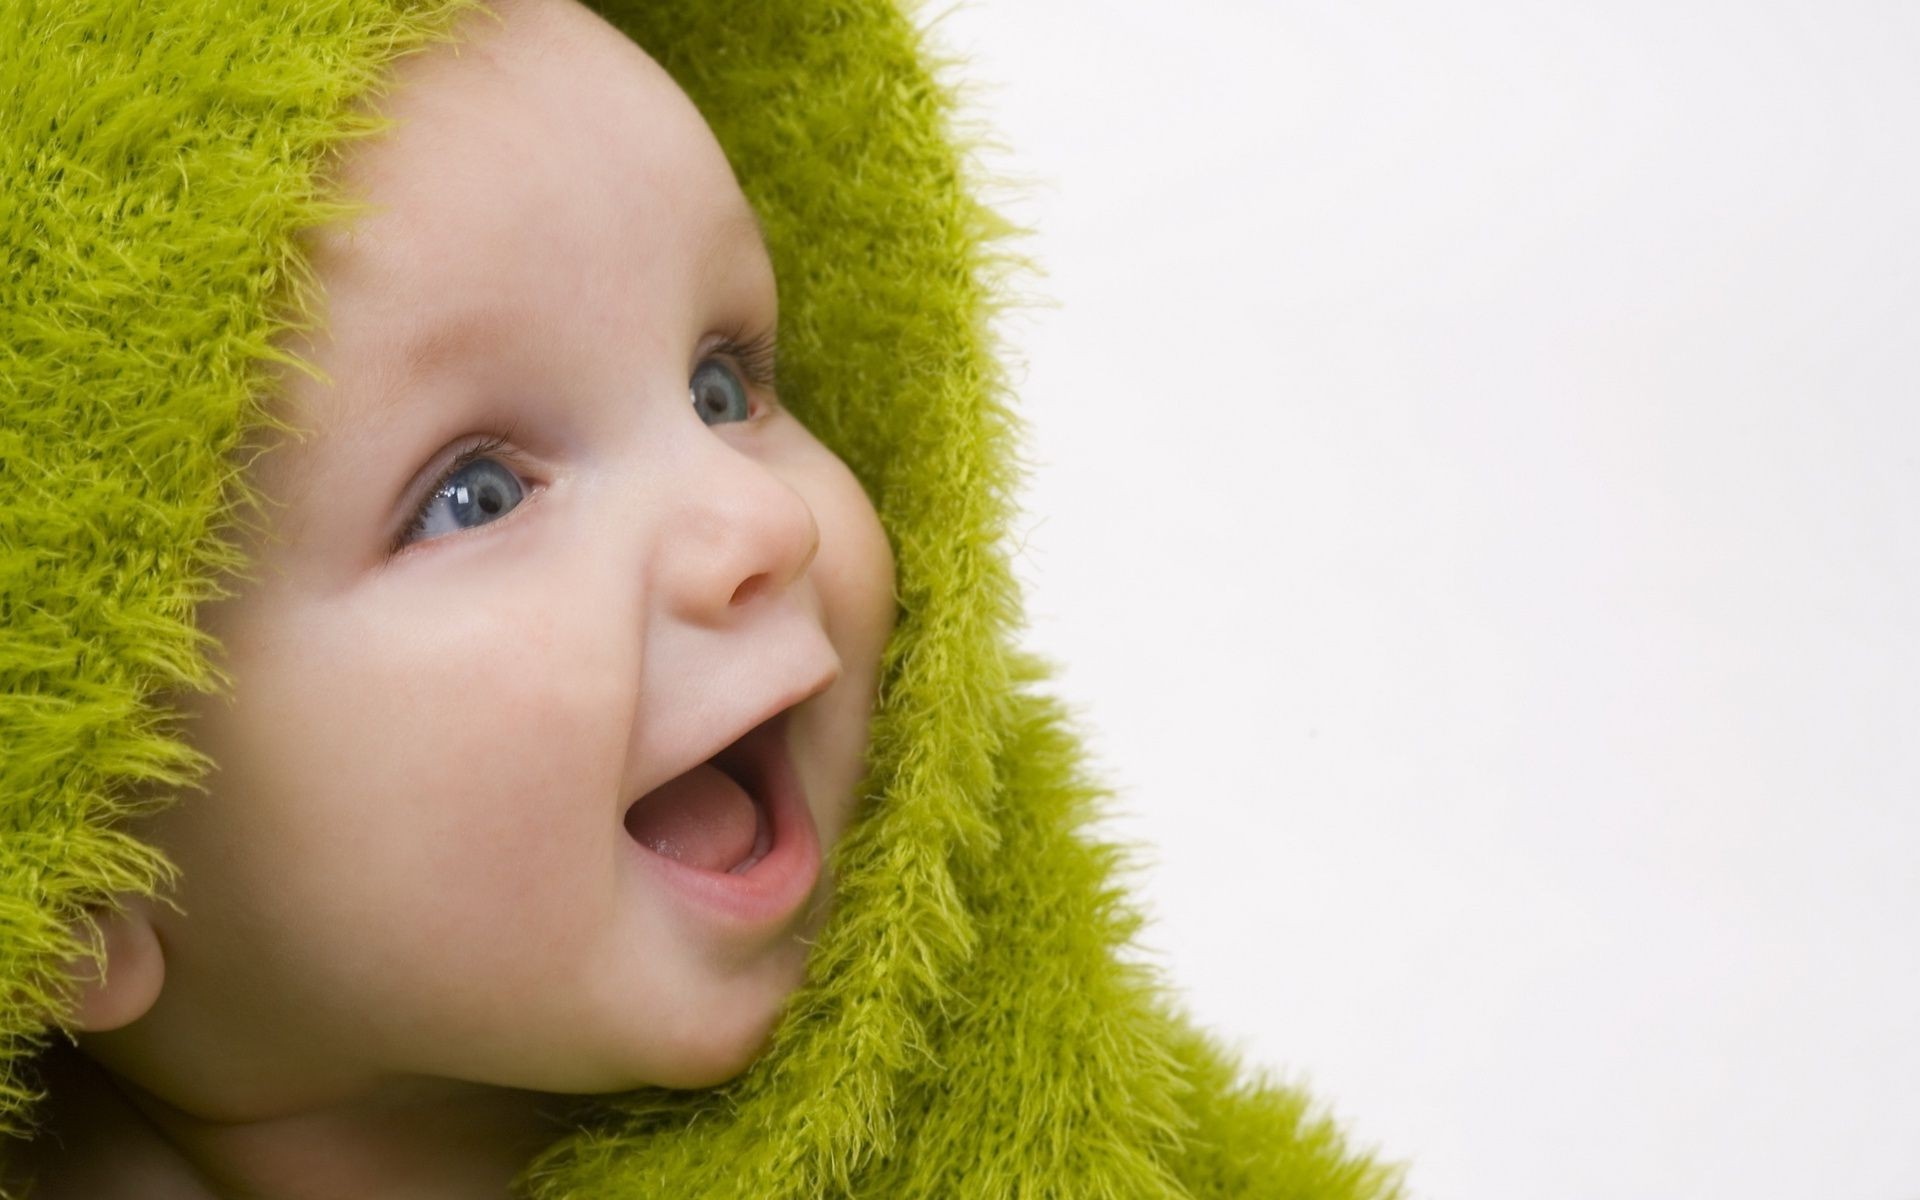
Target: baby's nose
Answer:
pixel 745 531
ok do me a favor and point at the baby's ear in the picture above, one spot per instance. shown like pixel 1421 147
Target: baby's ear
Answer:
pixel 135 968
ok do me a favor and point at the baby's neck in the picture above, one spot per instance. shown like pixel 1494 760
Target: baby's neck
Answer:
pixel 91 1142
pixel 103 1139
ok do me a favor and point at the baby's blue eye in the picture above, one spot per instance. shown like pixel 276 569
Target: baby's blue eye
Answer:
pixel 481 489
pixel 718 394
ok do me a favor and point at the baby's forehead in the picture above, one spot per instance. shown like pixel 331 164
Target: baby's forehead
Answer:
pixel 521 129
pixel 553 157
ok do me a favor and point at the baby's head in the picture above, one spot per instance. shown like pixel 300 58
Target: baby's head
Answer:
pixel 553 545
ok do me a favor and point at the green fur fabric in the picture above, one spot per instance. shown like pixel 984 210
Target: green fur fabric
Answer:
pixel 968 1027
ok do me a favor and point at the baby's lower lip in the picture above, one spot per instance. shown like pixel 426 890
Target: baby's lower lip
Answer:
pixel 767 892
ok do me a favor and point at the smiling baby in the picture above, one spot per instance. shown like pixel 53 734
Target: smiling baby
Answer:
pixel 552 692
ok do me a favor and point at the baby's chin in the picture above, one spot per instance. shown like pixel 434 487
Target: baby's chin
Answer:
pixel 719 1042
pixel 711 1065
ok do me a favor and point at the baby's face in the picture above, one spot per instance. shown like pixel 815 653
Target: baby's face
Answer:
pixel 415 857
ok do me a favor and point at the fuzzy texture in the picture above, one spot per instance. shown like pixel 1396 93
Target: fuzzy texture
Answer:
pixel 968 1026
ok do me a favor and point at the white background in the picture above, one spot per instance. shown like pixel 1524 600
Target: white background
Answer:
pixel 1475 509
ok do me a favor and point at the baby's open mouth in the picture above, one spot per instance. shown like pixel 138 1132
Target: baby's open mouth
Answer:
pixel 712 815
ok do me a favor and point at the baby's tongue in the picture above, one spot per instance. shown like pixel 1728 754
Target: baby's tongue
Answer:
pixel 702 818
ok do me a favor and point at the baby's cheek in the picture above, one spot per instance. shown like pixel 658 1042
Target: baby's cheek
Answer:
pixel 857 576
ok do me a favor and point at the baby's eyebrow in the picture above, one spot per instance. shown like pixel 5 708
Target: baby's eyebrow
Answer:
pixel 463 333
pixel 745 220
pixel 456 336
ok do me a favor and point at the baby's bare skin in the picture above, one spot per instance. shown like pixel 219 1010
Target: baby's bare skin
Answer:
pixel 95 1142
pixel 414 925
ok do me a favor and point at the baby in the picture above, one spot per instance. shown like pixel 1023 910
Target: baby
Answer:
pixel 552 691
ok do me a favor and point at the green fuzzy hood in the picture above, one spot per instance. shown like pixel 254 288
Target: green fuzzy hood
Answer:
pixel 968 1026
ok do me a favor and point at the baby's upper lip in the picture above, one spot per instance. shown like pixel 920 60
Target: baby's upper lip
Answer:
pixel 767 712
